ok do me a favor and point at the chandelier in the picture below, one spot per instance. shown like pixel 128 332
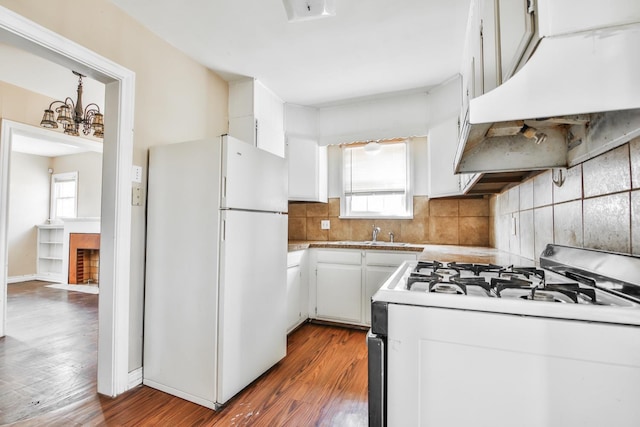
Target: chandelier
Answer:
pixel 72 116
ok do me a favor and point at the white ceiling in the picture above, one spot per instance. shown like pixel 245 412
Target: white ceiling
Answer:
pixel 370 47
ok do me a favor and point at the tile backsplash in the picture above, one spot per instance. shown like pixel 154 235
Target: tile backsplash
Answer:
pixel 436 221
pixel 597 206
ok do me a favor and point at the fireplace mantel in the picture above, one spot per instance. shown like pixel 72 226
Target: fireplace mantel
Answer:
pixel 75 225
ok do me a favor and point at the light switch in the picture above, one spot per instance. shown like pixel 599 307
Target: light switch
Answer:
pixel 325 224
pixel 136 174
pixel 136 196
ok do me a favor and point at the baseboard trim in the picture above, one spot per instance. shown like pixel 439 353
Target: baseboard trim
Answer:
pixel 135 378
pixel 25 278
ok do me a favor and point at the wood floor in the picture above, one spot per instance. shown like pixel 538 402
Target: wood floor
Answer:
pixel 48 370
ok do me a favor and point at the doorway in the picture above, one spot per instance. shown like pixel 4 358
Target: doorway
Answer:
pixel 113 322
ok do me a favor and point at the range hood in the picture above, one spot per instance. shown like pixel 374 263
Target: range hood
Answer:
pixel 579 92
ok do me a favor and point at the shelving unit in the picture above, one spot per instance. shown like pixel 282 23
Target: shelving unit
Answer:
pixel 50 240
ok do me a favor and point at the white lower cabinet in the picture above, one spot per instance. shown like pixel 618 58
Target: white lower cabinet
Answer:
pixel 339 292
pixel 297 290
pixel 345 279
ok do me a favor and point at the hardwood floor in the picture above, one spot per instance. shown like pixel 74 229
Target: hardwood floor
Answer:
pixel 321 382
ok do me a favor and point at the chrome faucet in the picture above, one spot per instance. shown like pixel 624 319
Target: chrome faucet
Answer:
pixel 391 236
pixel 376 230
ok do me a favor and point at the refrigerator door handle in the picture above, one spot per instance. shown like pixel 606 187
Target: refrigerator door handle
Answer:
pixel 223 234
pixel 224 187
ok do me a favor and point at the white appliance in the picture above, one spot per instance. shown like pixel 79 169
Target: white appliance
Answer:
pixel 456 344
pixel 215 316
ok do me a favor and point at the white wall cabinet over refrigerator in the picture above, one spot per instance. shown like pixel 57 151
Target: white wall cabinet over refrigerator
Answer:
pixel 256 115
pixel 50 242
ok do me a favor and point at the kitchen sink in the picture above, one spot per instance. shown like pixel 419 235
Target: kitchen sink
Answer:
pixel 369 243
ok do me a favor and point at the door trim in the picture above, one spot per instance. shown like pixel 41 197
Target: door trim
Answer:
pixel 113 315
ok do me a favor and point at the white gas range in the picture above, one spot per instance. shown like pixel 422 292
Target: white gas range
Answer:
pixel 457 344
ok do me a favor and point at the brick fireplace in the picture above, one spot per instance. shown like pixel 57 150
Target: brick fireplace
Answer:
pixel 84 258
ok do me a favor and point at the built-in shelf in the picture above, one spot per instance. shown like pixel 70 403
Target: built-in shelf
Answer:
pixel 50 253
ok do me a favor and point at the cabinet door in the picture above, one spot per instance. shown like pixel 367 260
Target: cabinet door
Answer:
pixel 515 31
pixel 339 292
pixel 375 276
pixel 443 141
pixel 293 297
pixel 307 170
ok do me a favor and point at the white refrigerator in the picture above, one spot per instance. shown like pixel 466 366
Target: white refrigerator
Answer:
pixel 215 315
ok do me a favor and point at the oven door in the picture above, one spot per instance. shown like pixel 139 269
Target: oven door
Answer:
pixel 376 348
pixel 448 367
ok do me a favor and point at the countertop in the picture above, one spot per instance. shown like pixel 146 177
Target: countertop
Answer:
pixel 444 253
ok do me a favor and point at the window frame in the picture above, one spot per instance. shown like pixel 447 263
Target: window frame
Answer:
pixel 63 177
pixel 347 214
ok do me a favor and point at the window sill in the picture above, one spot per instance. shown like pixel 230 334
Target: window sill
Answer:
pixel 409 217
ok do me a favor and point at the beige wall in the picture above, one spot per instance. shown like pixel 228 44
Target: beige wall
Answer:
pixel 89 168
pixel 436 221
pixel 29 201
pixel 28 206
pixel 176 100
pixel 598 207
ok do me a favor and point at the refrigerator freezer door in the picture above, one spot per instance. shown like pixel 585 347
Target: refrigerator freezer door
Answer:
pixel 252 179
pixel 252 323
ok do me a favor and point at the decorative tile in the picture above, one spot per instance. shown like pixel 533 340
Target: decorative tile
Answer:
pixel 297 210
pixel 634 148
pixel 314 231
pixel 443 230
pixel 361 229
pixel 635 222
pixel 334 207
pixel 512 200
pixel 527 233
pixel 473 231
pixel 542 189
pixel 297 228
pixel 543 223
pixel 317 210
pixel 443 207
pixel 607 223
pixel 340 229
pixel 567 224
pixel 474 207
pixel 420 207
pixel 526 195
pixel 416 231
pixel 502 232
pixel 571 188
pixel 607 173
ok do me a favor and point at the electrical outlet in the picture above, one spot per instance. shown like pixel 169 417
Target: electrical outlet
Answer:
pixel 325 224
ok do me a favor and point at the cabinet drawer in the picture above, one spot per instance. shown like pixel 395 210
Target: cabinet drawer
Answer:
pixel 340 257
pixel 392 259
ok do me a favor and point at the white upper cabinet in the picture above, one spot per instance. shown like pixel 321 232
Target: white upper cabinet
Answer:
pixel 308 180
pixel 256 115
pixel 499 37
pixel 514 32
pixel 307 170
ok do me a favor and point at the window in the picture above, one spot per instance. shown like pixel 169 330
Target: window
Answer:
pixel 64 191
pixel 376 184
